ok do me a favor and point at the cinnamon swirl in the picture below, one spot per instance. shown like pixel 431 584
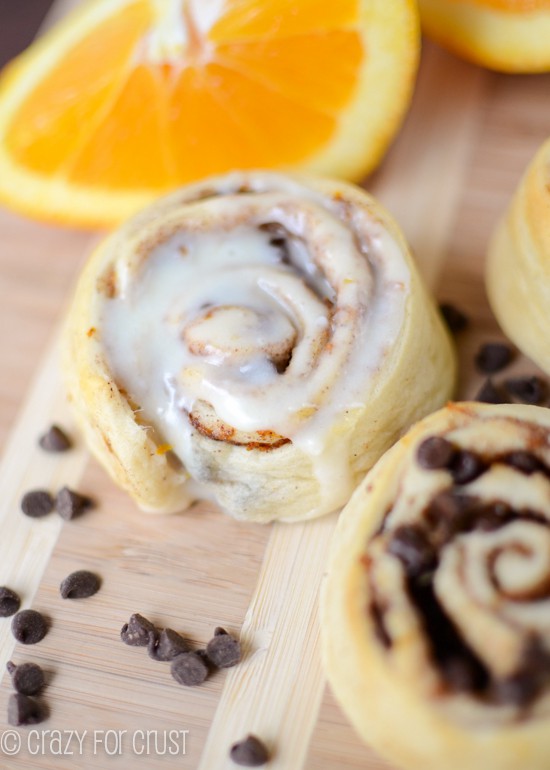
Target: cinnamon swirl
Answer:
pixel 436 611
pixel 263 335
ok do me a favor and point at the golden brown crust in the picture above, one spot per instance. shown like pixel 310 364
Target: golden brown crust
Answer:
pixel 518 267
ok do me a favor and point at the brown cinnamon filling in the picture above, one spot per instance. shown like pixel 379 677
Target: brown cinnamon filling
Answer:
pixel 418 546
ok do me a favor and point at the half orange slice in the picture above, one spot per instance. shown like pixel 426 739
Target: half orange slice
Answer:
pixel 126 99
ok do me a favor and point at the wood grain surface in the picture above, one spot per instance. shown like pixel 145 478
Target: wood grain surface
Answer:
pixel 467 138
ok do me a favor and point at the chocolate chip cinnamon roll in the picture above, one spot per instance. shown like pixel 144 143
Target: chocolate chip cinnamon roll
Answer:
pixel 255 338
pixel 518 275
pixel 436 610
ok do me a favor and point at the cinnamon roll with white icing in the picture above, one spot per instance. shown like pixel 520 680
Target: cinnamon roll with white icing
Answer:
pixel 436 610
pixel 257 338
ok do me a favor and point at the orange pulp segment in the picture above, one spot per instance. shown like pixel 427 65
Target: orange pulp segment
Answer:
pixel 143 95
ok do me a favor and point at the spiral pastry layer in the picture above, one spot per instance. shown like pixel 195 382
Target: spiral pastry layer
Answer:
pixel 518 265
pixel 436 610
pixel 505 35
pixel 255 334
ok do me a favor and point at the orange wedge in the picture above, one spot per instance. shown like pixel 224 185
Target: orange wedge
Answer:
pixel 126 99
pixel 505 35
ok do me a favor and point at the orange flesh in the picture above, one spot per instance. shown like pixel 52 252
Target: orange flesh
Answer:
pixel 106 117
pixel 61 111
pixel 514 6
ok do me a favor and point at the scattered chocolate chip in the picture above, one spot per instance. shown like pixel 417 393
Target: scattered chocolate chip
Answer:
pixel 55 440
pixel 9 602
pixel 79 585
pixel 411 546
pixel 137 631
pixel 37 503
pixel 529 390
pixel 493 356
pixel 455 319
pixel 435 453
pixel 251 752
pixel 219 631
pixel 189 669
pixel 204 657
pixel 70 504
pixel 466 466
pixel 167 645
pixel 523 461
pixel 23 710
pixel 27 678
pixel 489 393
pixel 29 626
pixel 223 651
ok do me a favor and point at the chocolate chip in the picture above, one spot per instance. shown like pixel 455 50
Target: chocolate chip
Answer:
pixel 55 440
pixel 445 505
pixel 137 631
pixel 518 690
pixel 9 602
pixel 189 669
pixel 435 453
pixel 411 546
pixel 251 752
pixel 529 390
pixel 167 645
pixel 37 503
pixel 493 516
pixel 23 710
pixel 29 626
pixel 448 513
pixel 223 651
pixel 27 678
pixel 455 319
pixel 489 393
pixel 204 657
pixel 70 504
pixel 460 674
pixel 79 585
pixel 523 461
pixel 492 357
pixel 466 466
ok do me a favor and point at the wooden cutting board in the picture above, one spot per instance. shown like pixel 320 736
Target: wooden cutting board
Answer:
pixel 447 179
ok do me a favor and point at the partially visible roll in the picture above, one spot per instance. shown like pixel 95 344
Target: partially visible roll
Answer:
pixel 518 265
pixel 436 609
pixel 505 35
pixel 265 336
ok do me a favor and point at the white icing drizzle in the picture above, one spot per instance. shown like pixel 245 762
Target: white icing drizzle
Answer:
pixel 274 340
